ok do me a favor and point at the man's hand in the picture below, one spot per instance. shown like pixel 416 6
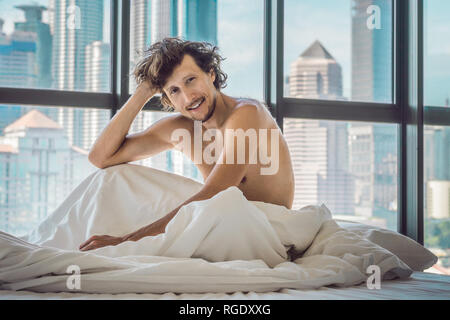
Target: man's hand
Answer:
pixel 145 89
pixel 96 242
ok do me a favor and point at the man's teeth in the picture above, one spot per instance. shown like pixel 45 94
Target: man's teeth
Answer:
pixel 196 106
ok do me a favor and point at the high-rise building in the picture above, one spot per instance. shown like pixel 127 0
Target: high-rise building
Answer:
pixel 140 11
pixel 163 22
pixel 75 25
pixel 25 59
pixel 375 169
pixel 319 148
pixel 315 75
pixel 437 153
pixel 18 59
pixel 38 169
pixel 373 163
pixel 372 50
pixel 33 23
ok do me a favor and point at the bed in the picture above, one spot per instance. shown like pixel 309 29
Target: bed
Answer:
pixel 421 286
pixel 225 247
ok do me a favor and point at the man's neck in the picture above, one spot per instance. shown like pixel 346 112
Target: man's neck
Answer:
pixel 223 109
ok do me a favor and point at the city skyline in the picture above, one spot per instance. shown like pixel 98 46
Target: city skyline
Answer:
pixel 234 15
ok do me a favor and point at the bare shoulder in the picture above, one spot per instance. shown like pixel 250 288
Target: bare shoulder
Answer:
pixel 251 112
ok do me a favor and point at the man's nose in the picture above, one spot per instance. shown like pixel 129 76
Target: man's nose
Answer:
pixel 188 97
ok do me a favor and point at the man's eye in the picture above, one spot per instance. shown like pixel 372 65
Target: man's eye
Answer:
pixel 190 79
pixel 173 91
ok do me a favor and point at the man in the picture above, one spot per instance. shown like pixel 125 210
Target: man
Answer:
pixel 188 77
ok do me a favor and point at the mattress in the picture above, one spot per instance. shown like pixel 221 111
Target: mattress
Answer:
pixel 420 286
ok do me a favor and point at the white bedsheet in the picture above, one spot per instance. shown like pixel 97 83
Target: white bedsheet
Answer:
pixel 223 244
pixel 419 286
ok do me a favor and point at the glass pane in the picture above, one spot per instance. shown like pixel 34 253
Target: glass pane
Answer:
pixel 43 157
pixel 171 160
pixel 436 53
pixel 437 195
pixel 52 44
pixel 350 167
pixel 338 50
pixel 235 26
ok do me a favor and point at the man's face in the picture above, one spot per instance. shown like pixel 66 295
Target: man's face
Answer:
pixel 191 91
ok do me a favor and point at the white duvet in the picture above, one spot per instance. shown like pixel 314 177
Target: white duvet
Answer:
pixel 223 244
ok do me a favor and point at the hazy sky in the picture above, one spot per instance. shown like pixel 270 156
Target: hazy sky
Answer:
pixel 240 39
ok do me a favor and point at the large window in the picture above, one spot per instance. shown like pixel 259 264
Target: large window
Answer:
pixel 339 50
pixel 342 85
pixel 52 44
pixel 351 167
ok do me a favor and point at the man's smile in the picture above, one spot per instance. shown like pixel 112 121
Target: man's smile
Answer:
pixel 197 105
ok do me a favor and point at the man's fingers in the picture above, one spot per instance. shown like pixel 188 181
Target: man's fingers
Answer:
pixel 92 245
pixel 95 242
pixel 85 243
pixel 91 242
pixel 88 241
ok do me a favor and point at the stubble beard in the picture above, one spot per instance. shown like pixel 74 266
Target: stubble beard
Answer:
pixel 210 112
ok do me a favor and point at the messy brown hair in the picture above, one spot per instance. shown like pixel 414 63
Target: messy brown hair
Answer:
pixel 161 58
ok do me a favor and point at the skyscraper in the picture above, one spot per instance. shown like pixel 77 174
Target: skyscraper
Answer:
pixel 17 68
pixel 372 50
pixel 18 59
pixel 319 148
pixel 75 25
pixel 33 23
pixel 139 30
pixel 373 163
pixel 373 148
pixel 163 19
pixel 315 75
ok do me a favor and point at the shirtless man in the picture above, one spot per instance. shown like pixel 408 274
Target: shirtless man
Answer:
pixel 189 78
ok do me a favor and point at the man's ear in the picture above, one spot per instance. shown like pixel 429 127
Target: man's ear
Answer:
pixel 212 75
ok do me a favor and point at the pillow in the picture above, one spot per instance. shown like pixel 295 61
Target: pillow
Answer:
pixel 416 256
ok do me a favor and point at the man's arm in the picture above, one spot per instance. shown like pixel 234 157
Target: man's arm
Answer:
pixel 221 177
pixel 114 146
